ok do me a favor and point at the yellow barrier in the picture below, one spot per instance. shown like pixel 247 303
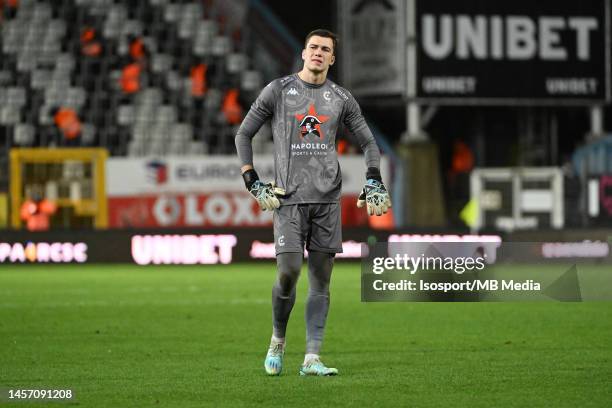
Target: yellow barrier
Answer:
pixel 3 210
pixel 43 167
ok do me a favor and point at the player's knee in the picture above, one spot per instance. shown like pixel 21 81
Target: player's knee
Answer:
pixel 286 284
pixel 289 264
pixel 289 267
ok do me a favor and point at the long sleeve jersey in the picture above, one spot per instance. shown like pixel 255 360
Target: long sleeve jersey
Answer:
pixel 305 119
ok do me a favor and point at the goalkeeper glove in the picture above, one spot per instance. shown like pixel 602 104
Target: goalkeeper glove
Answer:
pixel 374 194
pixel 266 194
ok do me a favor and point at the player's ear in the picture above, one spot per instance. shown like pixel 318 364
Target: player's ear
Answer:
pixel 333 59
pixel 303 54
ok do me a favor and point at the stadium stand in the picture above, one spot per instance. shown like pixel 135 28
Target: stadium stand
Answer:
pixel 145 77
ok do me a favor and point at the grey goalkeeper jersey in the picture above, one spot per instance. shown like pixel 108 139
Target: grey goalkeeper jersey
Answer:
pixel 305 118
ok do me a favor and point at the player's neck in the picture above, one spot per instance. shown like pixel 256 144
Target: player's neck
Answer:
pixel 315 78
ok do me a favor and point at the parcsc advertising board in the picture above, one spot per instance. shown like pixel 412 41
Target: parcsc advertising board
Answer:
pixel 43 252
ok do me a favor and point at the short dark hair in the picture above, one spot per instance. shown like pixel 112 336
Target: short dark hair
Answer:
pixel 320 32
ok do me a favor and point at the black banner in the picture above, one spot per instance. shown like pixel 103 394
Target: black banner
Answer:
pixel 224 246
pixel 549 52
pixel 157 247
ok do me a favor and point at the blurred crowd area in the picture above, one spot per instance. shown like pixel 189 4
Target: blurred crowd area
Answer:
pixel 139 77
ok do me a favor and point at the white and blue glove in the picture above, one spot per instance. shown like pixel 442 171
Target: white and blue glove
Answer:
pixel 374 194
pixel 266 194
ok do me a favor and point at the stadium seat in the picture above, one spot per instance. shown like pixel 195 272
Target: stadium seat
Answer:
pixel 6 77
pixel 125 115
pixel 166 114
pixel 236 63
pixel 145 114
pixel 140 132
pixel 74 98
pixel 44 115
pixel 160 133
pixel 10 115
pixel 150 96
pixel 156 148
pixel 41 79
pixel 221 46
pixel 136 148
pixel 88 134
pixel 24 134
pixel 172 12
pixel 251 81
pixel 196 148
pixel 161 63
pixel 132 27
pixel 203 41
pixel 189 16
pixel 117 15
pixel 15 96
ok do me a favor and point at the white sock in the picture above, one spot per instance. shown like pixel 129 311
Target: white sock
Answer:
pixel 277 340
pixel 310 357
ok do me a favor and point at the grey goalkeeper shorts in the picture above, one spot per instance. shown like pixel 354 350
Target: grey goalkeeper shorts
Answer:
pixel 317 226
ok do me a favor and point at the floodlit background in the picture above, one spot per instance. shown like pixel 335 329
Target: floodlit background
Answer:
pixel 117 165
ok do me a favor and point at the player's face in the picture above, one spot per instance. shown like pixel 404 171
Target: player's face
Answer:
pixel 318 54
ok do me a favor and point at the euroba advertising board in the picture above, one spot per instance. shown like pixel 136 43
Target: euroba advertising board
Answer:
pixel 206 191
pixel 521 51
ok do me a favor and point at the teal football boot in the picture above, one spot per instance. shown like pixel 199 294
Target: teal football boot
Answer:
pixel 274 358
pixel 316 367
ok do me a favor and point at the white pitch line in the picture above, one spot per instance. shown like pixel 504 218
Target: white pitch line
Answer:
pixel 104 303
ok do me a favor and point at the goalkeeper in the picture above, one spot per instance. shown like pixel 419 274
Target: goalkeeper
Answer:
pixel 306 109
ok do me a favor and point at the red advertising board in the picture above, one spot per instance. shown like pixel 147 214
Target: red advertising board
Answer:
pixel 227 209
pixel 206 192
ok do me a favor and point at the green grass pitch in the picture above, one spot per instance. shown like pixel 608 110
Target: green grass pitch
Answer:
pixel 127 336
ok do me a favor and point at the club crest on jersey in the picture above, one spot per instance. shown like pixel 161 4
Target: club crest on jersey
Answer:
pixel 310 123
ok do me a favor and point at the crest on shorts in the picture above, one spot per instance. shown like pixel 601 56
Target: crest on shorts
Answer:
pixel 310 123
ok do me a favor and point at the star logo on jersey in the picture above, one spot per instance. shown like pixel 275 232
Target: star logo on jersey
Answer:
pixel 310 123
